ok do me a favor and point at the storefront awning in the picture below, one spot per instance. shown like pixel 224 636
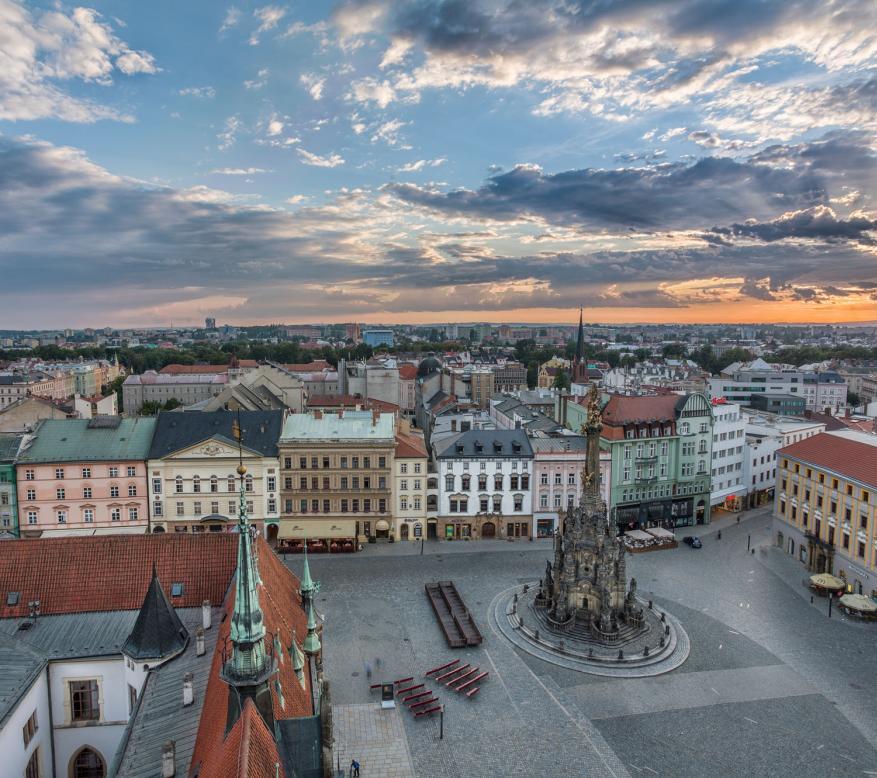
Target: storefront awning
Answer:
pixel 858 602
pixel 316 528
pixel 826 581
pixel 84 532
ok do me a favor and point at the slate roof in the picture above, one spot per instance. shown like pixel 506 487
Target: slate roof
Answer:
pixel 849 454
pixel 559 444
pixel 160 715
pixel 495 444
pixel 112 571
pixel 151 378
pixel 158 632
pixel 87 440
pixel 175 431
pixel 19 666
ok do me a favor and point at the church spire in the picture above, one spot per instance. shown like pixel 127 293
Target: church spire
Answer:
pixel 249 666
pixel 307 587
pixel 312 640
pixel 580 341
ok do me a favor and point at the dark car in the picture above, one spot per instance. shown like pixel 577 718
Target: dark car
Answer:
pixel 693 541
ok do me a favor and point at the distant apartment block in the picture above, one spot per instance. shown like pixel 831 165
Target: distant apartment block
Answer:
pixel 376 338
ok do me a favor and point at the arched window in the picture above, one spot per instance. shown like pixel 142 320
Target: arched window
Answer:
pixel 231 486
pixel 248 483
pixel 178 484
pixel 196 483
pixel 87 763
pixel 214 484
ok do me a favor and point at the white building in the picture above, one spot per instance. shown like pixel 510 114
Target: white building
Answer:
pixel 729 431
pixel 192 471
pixel 765 434
pixel 741 380
pixel 485 485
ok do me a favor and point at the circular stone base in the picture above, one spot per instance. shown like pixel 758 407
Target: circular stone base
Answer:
pixel 590 656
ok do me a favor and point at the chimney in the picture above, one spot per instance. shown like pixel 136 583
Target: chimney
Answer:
pixel 376 414
pixel 205 614
pixel 188 690
pixel 199 642
pixel 168 760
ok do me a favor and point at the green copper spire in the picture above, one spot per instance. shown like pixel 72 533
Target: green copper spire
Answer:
pixel 249 659
pixel 307 584
pixel 312 642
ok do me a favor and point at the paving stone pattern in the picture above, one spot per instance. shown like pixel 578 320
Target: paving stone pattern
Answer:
pixel 374 737
pixel 772 687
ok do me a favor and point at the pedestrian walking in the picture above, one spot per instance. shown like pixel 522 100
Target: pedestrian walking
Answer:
pixel 354 769
pixel 368 671
pixel 378 663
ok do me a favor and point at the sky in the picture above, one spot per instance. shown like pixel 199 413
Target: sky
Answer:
pixel 394 161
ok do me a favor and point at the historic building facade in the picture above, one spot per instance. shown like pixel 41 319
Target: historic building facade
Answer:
pixel 193 484
pixel 409 486
pixel 75 476
pixel 337 473
pixel 485 485
pixel 824 513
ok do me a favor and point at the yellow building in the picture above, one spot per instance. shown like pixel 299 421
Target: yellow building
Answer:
pixel 824 513
pixel 337 476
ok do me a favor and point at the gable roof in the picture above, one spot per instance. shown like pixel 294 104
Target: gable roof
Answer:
pixel 623 409
pixel 112 571
pixel 409 446
pixel 407 372
pixel 260 430
pixel 849 454
pixel 89 440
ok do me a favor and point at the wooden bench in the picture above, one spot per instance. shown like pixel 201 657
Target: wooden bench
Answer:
pixel 472 692
pixel 403 680
pixel 427 712
pixel 415 705
pixel 443 667
pixel 476 679
pixel 452 672
pixel 463 677
pixel 400 692
pixel 416 696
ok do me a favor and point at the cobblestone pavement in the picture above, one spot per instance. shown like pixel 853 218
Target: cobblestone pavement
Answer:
pixel 373 737
pixel 771 685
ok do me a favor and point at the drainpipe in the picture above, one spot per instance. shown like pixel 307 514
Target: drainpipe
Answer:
pixel 51 722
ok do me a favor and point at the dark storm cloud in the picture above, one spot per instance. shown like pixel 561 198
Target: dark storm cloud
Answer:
pixel 671 196
pixel 818 223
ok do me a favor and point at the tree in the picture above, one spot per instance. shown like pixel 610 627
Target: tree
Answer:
pixel 674 351
pixel 853 399
pixel 116 386
pixel 561 380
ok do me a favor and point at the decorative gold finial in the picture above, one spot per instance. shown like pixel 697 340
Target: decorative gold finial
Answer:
pixel 242 469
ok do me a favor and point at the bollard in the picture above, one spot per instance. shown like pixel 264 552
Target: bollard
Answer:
pixel 620 653
pixel 664 617
pixel 662 641
pixel 526 588
pixel 667 630
pixel 646 651
pixel 536 635
pixel 650 604
pixel 561 646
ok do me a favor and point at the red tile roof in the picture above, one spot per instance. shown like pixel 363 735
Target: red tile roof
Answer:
pixel 848 458
pixel 248 748
pixel 175 369
pixel 622 409
pixel 309 367
pixel 335 400
pixel 409 445
pixel 111 572
pixel 407 372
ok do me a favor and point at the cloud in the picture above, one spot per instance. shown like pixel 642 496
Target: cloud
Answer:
pixel 40 50
pixel 269 17
pixel 275 127
pixel 370 90
pixel 664 196
pixel 420 164
pixel 314 84
pixel 388 132
pixel 239 171
pixel 613 59
pixel 231 19
pixel 258 82
pixel 818 223
pixel 307 158
pixel 136 251
pixel 228 135
pixel 297 199
pixel 198 91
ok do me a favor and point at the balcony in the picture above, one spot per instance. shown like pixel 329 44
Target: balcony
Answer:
pixel 646 479
pixel 648 460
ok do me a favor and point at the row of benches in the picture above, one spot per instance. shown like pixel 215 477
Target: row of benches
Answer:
pixel 459 677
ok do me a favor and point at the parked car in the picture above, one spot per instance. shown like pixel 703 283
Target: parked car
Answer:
pixel 693 541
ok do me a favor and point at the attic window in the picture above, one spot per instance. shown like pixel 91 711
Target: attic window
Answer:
pixel 12 598
pixel 176 590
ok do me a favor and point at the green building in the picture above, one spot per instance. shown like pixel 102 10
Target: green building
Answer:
pixel 9 445
pixel 661 448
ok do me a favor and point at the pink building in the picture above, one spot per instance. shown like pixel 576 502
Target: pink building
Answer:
pixel 84 476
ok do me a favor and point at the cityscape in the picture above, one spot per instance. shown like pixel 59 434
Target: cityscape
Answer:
pixel 435 389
